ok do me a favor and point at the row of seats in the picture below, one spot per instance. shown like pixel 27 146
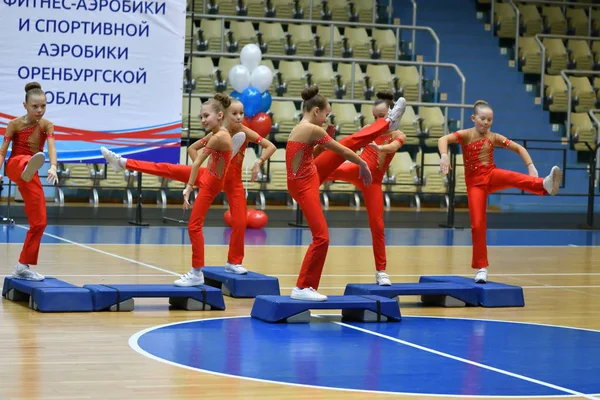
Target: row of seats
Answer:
pixel 293 39
pixel 403 177
pixel 426 123
pixel 201 75
pixel 336 10
pixel 560 54
pixel 538 18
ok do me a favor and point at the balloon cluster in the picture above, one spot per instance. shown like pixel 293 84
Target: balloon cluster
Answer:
pixel 250 82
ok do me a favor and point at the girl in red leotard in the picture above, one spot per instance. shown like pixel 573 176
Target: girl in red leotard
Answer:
pixel 303 185
pixel 378 155
pixel 482 177
pixel 233 187
pixel 28 134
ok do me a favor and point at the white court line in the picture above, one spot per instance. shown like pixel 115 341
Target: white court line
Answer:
pixel 105 252
pixel 133 343
pixel 464 360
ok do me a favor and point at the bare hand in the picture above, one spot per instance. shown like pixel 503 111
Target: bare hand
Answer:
pixel 255 172
pixel 52 175
pixel 374 146
pixel 532 171
pixel 444 164
pixel 365 174
pixel 186 196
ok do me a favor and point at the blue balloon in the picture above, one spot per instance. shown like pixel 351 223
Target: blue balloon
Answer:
pixel 235 94
pixel 265 102
pixel 251 99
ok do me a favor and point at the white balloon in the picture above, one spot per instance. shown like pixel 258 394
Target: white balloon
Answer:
pixel 239 78
pixel 251 56
pixel 261 78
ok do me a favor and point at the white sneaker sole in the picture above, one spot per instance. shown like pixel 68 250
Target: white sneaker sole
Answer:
pixel 24 278
pixel 302 298
pixel 35 163
pixel 236 272
pixel 111 160
pixel 237 141
pixel 557 176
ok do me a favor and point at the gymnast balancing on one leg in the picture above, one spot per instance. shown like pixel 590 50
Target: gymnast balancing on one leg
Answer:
pixel 303 185
pixel 482 177
pixel 28 134
pixel 233 187
pixel 219 149
pixel 378 155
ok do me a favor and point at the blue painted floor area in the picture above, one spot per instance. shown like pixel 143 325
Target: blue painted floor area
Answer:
pixel 171 235
pixel 326 354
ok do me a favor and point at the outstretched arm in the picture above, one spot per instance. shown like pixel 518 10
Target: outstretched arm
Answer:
pixel 5 142
pixel 398 139
pixel 365 173
pixel 443 143
pixel 268 150
pixel 520 150
pixel 197 145
pixel 52 174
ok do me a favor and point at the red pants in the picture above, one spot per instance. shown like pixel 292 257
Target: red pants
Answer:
pixel 306 192
pixel 479 186
pixel 328 161
pixel 35 207
pixel 373 196
pixel 234 190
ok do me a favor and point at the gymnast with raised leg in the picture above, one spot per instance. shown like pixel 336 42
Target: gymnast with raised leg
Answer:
pixel 28 135
pixel 482 177
pixel 304 178
pixel 233 186
pixel 378 156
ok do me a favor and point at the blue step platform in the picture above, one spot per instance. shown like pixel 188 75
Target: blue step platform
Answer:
pixel 49 295
pixel 363 308
pixel 120 297
pixel 247 285
pixel 490 294
pixel 430 291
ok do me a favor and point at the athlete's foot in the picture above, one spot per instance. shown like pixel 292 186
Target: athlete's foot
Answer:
pixel 481 276
pixel 190 279
pixel 237 141
pixel 235 269
pixel 396 113
pixel 308 294
pixel 22 271
pixel 113 159
pixel 553 180
pixel 35 163
pixel 383 279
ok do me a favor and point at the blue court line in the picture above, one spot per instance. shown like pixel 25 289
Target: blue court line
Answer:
pixel 464 360
pixel 219 236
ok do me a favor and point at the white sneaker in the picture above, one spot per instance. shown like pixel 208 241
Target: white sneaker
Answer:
pixel 308 294
pixel 235 269
pixel 238 141
pixel 481 276
pixel 553 180
pixel 22 271
pixel 383 279
pixel 112 158
pixel 35 163
pixel 396 113
pixel 190 279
